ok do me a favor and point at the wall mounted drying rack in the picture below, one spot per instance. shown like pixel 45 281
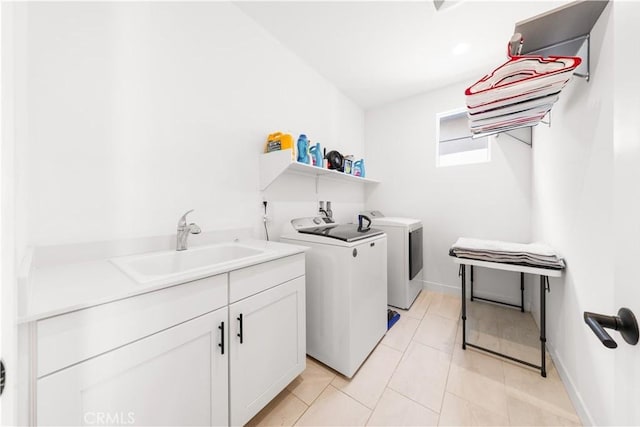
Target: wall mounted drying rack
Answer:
pixel 564 31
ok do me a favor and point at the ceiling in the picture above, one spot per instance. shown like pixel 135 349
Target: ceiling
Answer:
pixel 376 52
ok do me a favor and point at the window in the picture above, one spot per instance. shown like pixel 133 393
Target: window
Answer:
pixel 455 145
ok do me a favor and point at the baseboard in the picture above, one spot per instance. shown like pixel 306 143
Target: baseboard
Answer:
pixel 439 287
pixel 576 399
pixel 448 289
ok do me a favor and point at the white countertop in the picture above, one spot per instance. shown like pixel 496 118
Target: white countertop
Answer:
pixel 53 289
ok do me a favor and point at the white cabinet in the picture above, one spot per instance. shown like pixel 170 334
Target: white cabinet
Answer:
pixel 175 377
pixel 175 356
pixel 267 346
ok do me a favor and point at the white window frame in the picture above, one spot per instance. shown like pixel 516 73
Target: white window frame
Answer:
pixel 462 161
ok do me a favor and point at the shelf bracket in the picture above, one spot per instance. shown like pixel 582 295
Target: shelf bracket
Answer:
pixel 523 134
pixel 511 133
pixel 578 46
pixel 548 122
pixel 585 54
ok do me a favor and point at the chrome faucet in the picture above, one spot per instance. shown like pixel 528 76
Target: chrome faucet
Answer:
pixel 184 230
pixel 328 213
pixel 321 209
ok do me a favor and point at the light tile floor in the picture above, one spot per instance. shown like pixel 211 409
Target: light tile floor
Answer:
pixel 418 375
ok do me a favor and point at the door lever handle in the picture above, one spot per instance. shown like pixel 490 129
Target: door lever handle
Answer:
pixel 625 322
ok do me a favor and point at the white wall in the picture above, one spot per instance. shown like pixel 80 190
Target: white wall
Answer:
pixel 138 112
pixel 8 295
pixel 489 200
pixel 572 211
pixel 626 209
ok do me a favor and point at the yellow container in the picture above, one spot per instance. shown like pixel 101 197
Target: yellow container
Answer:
pixel 279 141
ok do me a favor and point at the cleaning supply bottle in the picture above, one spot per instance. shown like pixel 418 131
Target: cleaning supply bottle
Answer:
pixel 316 155
pixel 279 141
pixel 303 149
pixel 358 168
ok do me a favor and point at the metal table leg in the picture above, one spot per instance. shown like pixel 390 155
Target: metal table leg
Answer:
pixel 543 326
pixel 522 292
pixel 464 308
pixel 543 321
pixel 471 282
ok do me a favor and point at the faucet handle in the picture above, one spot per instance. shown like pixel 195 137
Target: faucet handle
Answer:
pixel 194 228
pixel 183 219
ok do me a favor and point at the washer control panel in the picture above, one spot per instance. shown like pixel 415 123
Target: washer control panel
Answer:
pixel 312 222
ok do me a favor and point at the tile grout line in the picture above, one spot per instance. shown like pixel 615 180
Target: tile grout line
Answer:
pixel 303 412
pixel 431 346
pixel 400 361
pixel 386 384
pixel 355 400
pixel 446 383
pixel 312 402
pixel 314 399
pixel 464 398
pixel 449 373
pixel 413 400
pixel 404 353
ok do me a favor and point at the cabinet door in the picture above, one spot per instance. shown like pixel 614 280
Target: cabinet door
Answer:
pixel 268 347
pixel 175 377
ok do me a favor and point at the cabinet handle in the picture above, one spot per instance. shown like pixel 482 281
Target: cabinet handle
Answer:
pixel 221 345
pixel 240 334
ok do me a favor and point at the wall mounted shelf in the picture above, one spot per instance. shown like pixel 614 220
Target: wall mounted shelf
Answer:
pixel 277 163
pixel 562 32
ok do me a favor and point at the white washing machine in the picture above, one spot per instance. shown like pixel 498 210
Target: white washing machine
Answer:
pixel 346 290
pixel 404 257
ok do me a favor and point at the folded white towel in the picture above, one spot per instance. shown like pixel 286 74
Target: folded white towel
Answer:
pixel 535 254
pixel 499 246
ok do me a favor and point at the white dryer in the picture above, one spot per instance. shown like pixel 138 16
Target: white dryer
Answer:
pixel 346 290
pixel 404 257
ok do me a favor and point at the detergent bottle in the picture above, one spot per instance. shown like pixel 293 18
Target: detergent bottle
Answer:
pixel 303 149
pixel 358 168
pixel 279 141
pixel 316 155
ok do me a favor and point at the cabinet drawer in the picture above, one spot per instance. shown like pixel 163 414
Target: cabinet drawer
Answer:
pixel 251 280
pixel 70 338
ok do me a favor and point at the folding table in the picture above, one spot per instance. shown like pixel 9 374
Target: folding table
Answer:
pixel 544 274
